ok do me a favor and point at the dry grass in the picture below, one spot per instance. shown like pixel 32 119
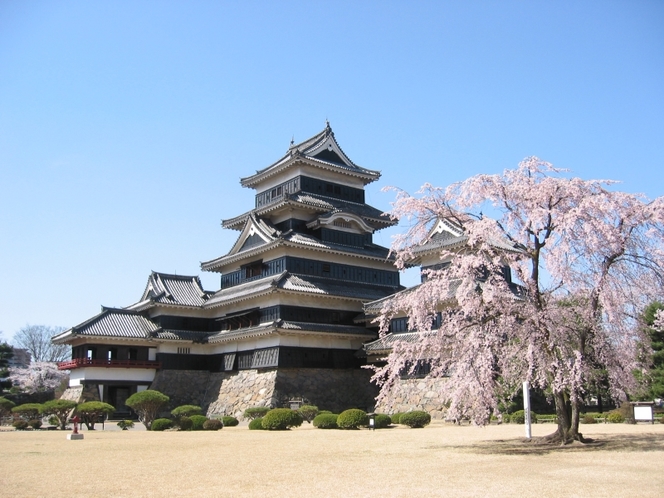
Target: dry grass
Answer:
pixel 440 460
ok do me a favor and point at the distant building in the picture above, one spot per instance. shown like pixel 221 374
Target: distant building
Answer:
pixel 20 359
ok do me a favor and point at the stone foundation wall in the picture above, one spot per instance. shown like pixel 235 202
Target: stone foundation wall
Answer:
pixel 328 389
pixel 237 391
pixel 183 387
pixel 416 394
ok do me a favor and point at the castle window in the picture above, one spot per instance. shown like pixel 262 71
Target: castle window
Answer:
pixel 184 350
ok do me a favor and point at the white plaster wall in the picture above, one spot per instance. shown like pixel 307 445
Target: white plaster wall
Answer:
pixel 110 374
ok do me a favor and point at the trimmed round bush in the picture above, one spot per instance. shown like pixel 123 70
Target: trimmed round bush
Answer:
pixel 281 419
pixel 415 419
pixel 352 419
pixel 308 412
pixel 125 424
pixel 382 421
pixel 256 412
pixel 20 425
pixel 213 425
pixel 519 417
pixel 325 421
pixel 588 419
pixel 186 411
pixel 35 423
pixel 197 422
pixel 161 424
pixel 396 417
pixel 256 424
pixel 229 421
pixel 185 423
pixel 615 417
pixel 507 418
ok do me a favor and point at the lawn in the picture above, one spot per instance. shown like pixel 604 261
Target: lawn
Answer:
pixel 439 460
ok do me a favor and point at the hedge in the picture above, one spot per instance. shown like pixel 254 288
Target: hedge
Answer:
pixel 255 412
pixel 281 419
pixel 519 417
pixel 256 424
pixel 161 424
pixel 229 421
pixel 415 419
pixel 308 412
pixel 185 423
pixel 325 421
pixel 197 422
pixel 186 411
pixel 382 421
pixel 396 417
pixel 615 417
pixel 213 425
pixel 352 419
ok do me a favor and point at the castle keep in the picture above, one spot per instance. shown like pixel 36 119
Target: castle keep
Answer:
pixel 286 322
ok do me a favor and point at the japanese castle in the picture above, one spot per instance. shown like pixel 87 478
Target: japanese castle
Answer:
pixel 286 323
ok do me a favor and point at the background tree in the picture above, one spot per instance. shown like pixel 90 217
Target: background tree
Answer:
pixel 6 406
pixel 28 411
pixel 653 379
pixel 147 405
pixel 60 408
pixel 37 340
pixel 563 238
pixel 93 412
pixel 38 377
pixel 6 354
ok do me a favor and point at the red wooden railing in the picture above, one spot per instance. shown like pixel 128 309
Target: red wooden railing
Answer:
pixel 85 362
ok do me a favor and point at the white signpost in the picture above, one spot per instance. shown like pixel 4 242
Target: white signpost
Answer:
pixel 526 408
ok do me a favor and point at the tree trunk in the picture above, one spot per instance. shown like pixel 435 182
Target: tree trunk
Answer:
pixel 568 420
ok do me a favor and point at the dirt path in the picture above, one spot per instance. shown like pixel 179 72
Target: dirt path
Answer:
pixel 440 460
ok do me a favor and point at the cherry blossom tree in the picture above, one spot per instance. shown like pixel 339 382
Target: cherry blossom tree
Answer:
pixel 38 377
pixel 586 258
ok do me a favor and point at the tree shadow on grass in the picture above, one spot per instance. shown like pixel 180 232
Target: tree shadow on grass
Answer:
pixel 521 446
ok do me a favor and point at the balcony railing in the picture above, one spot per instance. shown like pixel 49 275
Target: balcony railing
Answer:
pixel 86 362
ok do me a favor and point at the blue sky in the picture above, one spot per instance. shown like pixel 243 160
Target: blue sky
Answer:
pixel 125 126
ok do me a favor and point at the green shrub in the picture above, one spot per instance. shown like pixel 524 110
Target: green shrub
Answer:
pixel 185 423
pixel 588 419
pixel 281 419
pixel 396 417
pixel 93 411
pixel 519 417
pixel 256 424
pixel 125 424
pixel 20 425
pixel 506 418
pixel 415 419
pixel 308 412
pixel 186 411
pixel 229 421
pixel 147 404
pixel 213 424
pixel 53 420
pixel 28 411
pixel 323 411
pixel 6 406
pixel 197 422
pixel 255 412
pixel 35 423
pixel 381 421
pixel 615 417
pixel 161 424
pixel 352 419
pixel 325 421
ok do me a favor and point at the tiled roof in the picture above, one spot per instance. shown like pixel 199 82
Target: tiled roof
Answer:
pixel 113 322
pixel 333 288
pixel 297 239
pixel 323 204
pixel 327 328
pixel 288 327
pixel 178 290
pixel 385 344
pixel 183 335
pixel 299 283
pixel 315 151
pixel 244 291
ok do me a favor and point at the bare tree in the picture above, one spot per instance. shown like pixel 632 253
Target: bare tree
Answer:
pixel 37 340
